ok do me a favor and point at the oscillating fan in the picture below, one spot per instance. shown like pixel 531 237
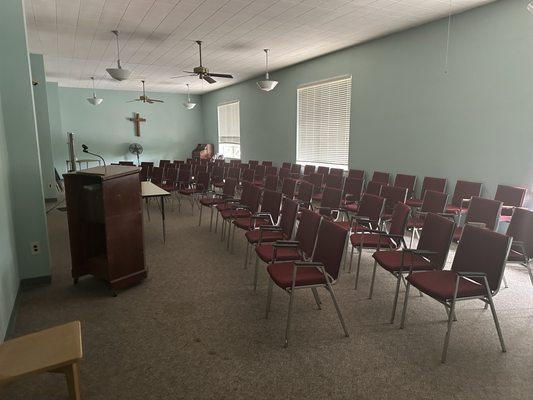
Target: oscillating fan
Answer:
pixel 137 149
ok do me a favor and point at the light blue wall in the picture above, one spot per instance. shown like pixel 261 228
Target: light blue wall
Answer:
pixel 58 136
pixel 9 279
pixel 170 132
pixel 43 126
pixel 407 115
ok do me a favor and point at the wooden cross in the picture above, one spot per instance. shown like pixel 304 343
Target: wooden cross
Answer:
pixel 137 119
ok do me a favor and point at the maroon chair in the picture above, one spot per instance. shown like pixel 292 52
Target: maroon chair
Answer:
pixel 476 274
pixel 157 176
pixel 191 190
pixel 184 178
pixel 373 188
pixel 304 195
pixel 288 188
pixel 286 165
pixel 430 254
pixel 163 163
pixel 323 170
pixel 336 171
pixel 247 175
pixel 186 166
pixel 483 212
pixel 231 203
pixel 170 182
pixel 356 173
pixel 253 164
pixel 511 197
pixel 283 174
pixel 351 195
pixel 217 176
pixel 211 198
pixel 296 169
pixel 271 182
pixel 382 177
pixel 316 180
pixel 434 202
pixel 143 175
pixel 429 183
pixel 369 238
pixel 462 194
pixel 259 175
pixel 521 230
pixel 127 163
pixel 406 181
pixel 330 204
pixel 321 272
pixel 392 195
pixel 368 214
pixel 266 163
pixel 271 233
pixel 309 169
pixel 331 181
pixel 270 170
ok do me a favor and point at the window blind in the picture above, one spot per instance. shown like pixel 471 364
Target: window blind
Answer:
pixel 229 129
pixel 323 127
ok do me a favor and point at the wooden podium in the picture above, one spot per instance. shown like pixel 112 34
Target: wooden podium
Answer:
pixel 104 208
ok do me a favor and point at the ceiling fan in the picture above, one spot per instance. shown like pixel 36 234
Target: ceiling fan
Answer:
pixel 145 99
pixel 203 72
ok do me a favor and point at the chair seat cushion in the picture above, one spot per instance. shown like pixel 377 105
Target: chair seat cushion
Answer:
pixel 258 183
pixel 351 207
pixel 249 223
pixel 317 197
pixel 265 253
pixel 414 202
pixel 392 261
pixel 232 213
pixel 343 224
pixel 224 206
pixel 210 201
pixel 416 222
pixel 371 240
pixel 441 285
pixel 281 274
pixel 188 191
pixel 455 209
pixel 267 236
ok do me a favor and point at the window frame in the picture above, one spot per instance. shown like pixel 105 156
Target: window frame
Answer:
pixel 220 144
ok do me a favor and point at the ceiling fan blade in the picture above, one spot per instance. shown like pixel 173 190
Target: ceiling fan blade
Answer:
pixel 131 101
pixel 156 101
pixel 207 78
pixel 190 72
pixel 221 75
pixel 182 76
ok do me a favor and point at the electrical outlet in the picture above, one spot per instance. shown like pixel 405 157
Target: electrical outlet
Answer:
pixel 35 248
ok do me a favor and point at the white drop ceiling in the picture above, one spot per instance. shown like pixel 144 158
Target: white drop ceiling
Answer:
pixel 157 36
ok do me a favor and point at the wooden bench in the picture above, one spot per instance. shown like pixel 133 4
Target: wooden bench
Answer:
pixel 56 350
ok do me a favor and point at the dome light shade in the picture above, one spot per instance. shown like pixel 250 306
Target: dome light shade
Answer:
pixel 118 73
pixel 530 7
pixel 189 105
pixel 93 99
pixel 267 84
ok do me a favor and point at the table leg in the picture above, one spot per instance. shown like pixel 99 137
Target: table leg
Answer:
pixel 72 373
pixel 147 209
pixel 163 217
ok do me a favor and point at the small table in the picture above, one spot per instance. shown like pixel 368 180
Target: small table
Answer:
pixel 86 161
pixel 148 190
pixel 56 349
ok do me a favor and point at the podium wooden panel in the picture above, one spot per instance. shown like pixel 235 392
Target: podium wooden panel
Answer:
pixel 104 208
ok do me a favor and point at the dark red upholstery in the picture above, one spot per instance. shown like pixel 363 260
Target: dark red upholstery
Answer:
pixel 288 187
pixel 434 202
pixel 270 170
pixel 406 181
pixel 322 170
pixel 271 182
pixel 184 178
pixel 296 169
pixel 356 173
pixel 307 231
pixel 309 169
pixel 247 175
pixel 331 200
pixel 281 274
pixel 464 190
pixel 257 236
pixel 483 211
pixel 371 240
pixel 521 230
pixel 305 192
pixel 163 163
pixel 336 171
pixel 283 174
pixel 392 196
pixel 330 247
pixel 353 189
pixel 286 165
pixel 171 174
pixel 333 181
pixel 157 176
pixel 266 163
pixel 373 188
pixel 382 177
pixel 253 164
pixel 429 183
pixel 441 285
pixel 288 216
pixel 266 253
pixel 371 207
pixel 510 196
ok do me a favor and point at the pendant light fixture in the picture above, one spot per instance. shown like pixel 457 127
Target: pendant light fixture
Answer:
pixel 530 7
pixel 118 73
pixel 267 84
pixel 94 100
pixel 189 105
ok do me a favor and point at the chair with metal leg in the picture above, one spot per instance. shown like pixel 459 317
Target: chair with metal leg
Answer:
pixel 356 173
pixel 511 197
pixel 430 254
pixel 321 272
pixel 374 187
pixel 434 202
pixel 406 181
pixel 381 177
pixel 212 198
pixel 331 203
pixel 392 195
pixel 462 194
pixel 429 183
pixel 288 188
pixel 476 274
pixel 521 230
pixel 482 212
pixel 271 182
pixel 198 188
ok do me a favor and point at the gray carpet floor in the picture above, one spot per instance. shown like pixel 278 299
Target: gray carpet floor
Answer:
pixel 195 330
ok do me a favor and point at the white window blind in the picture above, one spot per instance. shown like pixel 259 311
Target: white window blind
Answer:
pixel 229 130
pixel 324 122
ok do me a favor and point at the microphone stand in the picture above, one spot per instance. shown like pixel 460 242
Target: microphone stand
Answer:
pixel 85 150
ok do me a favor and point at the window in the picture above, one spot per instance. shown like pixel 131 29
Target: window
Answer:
pixel 229 130
pixel 323 127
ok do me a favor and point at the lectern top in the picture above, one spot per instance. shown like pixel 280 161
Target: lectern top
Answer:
pixel 108 172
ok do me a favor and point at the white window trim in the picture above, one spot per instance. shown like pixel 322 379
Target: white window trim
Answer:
pixel 236 140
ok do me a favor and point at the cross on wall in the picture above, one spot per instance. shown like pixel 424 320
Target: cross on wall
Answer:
pixel 137 119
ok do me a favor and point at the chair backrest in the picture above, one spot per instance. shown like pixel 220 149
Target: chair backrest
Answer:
pixel 289 211
pixel 247 175
pixel 356 173
pixel 305 192
pixel 330 246
pixel 393 195
pixel 147 163
pixel 233 173
pixel 157 175
pixel 288 187
pixel 434 202
pixel 229 187
pixel 521 229
pixel 259 174
pixel 323 170
pixel 129 163
pixel 245 194
pixel 217 173
pixel 271 182
pixel 382 177
pixel 234 163
pixel 143 175
pixel 510 195
pixel 333 181
pixel 283 174
pixel 484 211
pixel 316 180
pixel 336 171
pixel 254 198
pixel 163 163
pixel 171 175
pixel 184 176
pixel 296 168
pixel 186 166
pixel 253 163
pixel 406 181
pixel 286 165
pixel 202 181
pixel 178 162
pixel 353 188
pixel 309 169
pixel 266 163
pixel 399 219
pixel 465 190
pixel 307 229
pixel 371 207
pixel 271 203
pixel 374 188
pixel 436 236
pixel 331 198
pixel 270 170
pixel 482 250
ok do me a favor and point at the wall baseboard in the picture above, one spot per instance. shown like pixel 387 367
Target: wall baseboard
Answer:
pixel 30 283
